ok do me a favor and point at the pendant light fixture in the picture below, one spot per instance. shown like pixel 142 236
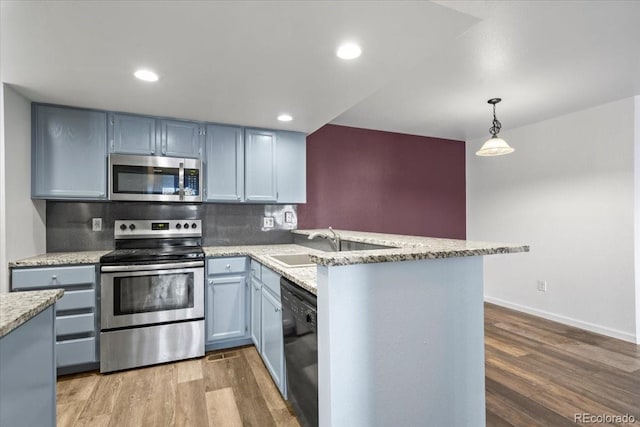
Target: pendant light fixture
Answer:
pixel 495 146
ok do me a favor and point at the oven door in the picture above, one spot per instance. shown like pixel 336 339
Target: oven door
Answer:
pixel 135 295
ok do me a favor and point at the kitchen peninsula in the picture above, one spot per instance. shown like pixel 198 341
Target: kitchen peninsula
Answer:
pixel 400 330
pixel 27 360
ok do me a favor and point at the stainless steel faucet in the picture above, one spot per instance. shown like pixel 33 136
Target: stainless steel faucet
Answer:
pixel 333 240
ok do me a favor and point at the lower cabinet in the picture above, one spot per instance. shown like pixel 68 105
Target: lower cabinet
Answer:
pixel 77 326
pixel 272 340
pixel 256 313
pixel 226 303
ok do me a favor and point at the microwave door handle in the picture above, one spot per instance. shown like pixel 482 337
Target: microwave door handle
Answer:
pixel 181 181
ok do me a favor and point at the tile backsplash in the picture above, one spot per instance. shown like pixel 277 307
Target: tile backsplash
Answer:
pixel 69 224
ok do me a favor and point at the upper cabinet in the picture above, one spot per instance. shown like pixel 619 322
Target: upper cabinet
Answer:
pixel 260 166
pixel 224 159
pixel 71 146
pixel 291 160
pixel 130 134
pixel 133 134
pixel 69 153
pixel 181 139
pixel 255 166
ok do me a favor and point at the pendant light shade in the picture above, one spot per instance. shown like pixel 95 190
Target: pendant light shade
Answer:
pixel 495 146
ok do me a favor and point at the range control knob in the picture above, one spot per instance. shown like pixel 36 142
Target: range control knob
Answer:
pixel 194 225
pixel 186 225
pixel 178 226
pixel 132 227
pixel 123 227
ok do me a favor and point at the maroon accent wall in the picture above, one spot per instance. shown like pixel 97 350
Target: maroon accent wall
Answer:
pixel 366 180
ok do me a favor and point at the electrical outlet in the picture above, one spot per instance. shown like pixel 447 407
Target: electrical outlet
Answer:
pixel 542 285
pixel 288 217
pixel 96 224
pixel 268 222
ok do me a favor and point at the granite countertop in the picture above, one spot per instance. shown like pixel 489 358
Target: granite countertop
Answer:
pixel 304 277
pixel 406 248
pixel 17 308
pixel 403 248
pixel 60 258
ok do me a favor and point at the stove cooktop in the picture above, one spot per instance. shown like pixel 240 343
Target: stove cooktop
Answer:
pixel 155 255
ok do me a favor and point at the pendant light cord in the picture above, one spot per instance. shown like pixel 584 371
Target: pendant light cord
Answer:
pixel 495 129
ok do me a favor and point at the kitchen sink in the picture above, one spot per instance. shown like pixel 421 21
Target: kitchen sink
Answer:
pixel 293 260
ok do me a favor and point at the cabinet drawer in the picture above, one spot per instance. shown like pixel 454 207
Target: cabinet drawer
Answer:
pixel 26 278
pixel 72 300
pixel 74 352
pixel 227 265
pixel 75 324
pixel 256 269
pixel 271 280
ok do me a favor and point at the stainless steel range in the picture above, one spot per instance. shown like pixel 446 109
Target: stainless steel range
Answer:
pixel 152 294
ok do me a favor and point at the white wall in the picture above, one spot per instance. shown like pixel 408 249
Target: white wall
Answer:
pixel 3 228
pixel 24 219
pixel 568 191
pixel 637 212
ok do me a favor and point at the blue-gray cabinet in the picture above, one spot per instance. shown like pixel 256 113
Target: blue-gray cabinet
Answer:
pixel 291 161
pixel 179 138
pixel 77 314
pixel 226 303
pixel 132 134
pixel 144 135
pixel 69 153
pixel 27 373
pixel 260 166
pixel 224 161
pixel 255 300
pixel 272 340
pixel 266 321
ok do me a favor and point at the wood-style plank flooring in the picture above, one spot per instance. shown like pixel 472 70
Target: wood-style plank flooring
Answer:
pixel 226 388
pixel 542 373
pixel 538 373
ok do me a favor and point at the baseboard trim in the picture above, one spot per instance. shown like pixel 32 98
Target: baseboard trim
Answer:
pixel 602 330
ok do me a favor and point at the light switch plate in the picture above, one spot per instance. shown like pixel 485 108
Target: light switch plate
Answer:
pixel 96 224
pixel 268 222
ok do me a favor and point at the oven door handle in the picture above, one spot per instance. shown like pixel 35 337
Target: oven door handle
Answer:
pixel 142 267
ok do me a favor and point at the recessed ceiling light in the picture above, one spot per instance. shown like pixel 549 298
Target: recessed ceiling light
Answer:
pixel 285 117
pixel 349 51
pixel 146 75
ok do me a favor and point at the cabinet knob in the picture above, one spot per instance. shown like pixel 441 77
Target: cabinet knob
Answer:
pixel 54 278
pixel 277 309
pixel 228 267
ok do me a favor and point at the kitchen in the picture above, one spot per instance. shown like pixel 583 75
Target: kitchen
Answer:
pixel 332 180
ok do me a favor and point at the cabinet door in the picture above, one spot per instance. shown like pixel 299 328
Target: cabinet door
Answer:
pixel 256 310
pixel 69 153
pixel 292 167
pixel 225 311
pixel 129 134
pixel 272 339
pixel 260 166
pixel 225 163
pixel 181 139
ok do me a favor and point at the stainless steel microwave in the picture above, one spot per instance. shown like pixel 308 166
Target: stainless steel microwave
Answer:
pixel 154 178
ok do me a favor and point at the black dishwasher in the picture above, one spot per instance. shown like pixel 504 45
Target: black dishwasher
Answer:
pixel 300 350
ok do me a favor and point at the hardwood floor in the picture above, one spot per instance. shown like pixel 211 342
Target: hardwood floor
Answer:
pixel 227 388
pixel 538 373
pixel 542 373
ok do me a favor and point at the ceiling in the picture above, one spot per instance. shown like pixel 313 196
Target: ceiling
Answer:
pixel 427 68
